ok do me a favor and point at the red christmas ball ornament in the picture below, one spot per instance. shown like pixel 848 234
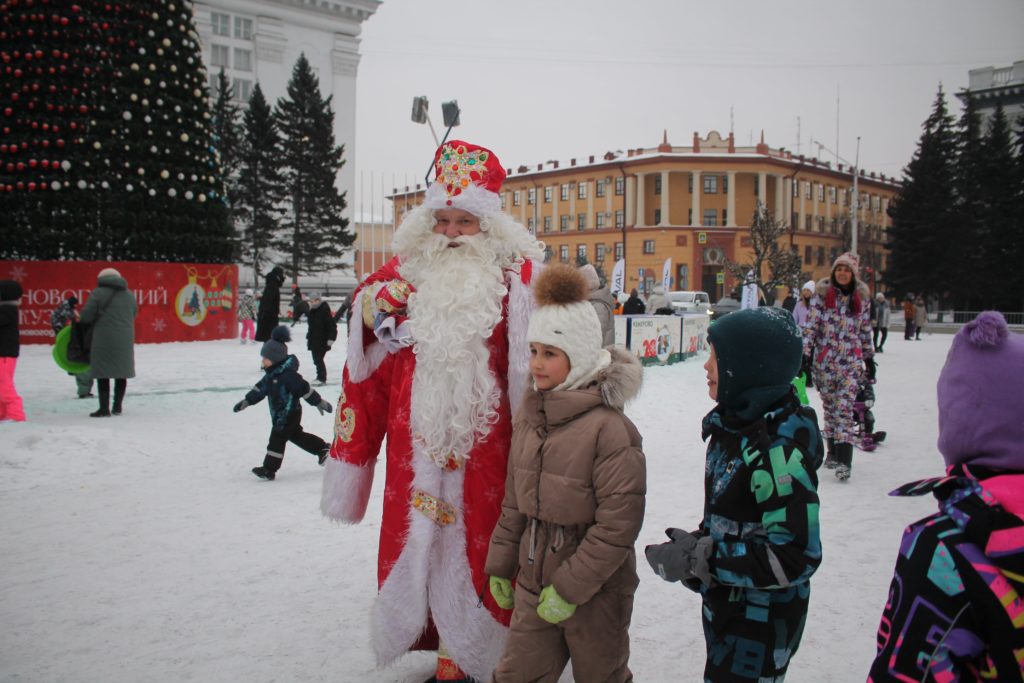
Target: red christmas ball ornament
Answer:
pixel 83 109
pixel 43 186
pixel 14 97
pixel 17 73
pixel 8 111
pixel 20 185
pixel 3 149
pixel 31 187
pixel 45 143
pixel 32 163
pixel 60 143
pixel 9 167
pixel 45 163
pixel 20 166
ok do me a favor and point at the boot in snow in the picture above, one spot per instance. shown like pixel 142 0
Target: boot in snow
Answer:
pixel 830 455
pixel 844 461
pixel 263 473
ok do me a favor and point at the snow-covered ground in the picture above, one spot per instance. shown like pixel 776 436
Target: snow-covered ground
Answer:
pixel 141 547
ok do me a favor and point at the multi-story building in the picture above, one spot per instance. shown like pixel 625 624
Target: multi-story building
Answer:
pixel 990 86
pixel 258 41
pixel 693 204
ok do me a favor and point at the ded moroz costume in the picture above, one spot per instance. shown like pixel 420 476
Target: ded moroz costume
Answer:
pixel 438 365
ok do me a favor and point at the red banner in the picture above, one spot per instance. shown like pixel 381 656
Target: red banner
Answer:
pixel 177 301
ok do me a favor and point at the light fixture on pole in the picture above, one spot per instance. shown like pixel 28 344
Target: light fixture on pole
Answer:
pixel 854 201
pixel 450 113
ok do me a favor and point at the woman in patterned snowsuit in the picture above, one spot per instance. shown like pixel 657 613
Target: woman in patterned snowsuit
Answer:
pixel 954 611
pixel 838 334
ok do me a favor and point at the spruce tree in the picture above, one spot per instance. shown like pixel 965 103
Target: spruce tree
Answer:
pixel 259 189
pixel 227 133
pixel 923 240
pixel 998 218
pixel 111 95
pixel 317 234
pixel 970 160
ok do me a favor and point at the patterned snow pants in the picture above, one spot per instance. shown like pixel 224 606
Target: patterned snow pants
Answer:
pixel 838 389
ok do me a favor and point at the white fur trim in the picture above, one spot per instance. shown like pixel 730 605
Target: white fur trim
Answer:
pixel 475 199
pixel 345 491
pixel 520 308
pixel 362 362
pixel 432 575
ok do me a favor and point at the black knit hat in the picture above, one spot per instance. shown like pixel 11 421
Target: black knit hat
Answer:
pixel 275 349
pixel 758 351
pixel 10 290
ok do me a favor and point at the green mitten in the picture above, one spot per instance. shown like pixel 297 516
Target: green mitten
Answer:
pixel 553 608
pixel 501 591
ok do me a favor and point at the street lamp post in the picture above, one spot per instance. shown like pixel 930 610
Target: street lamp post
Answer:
pixel 854 201
pixel 450 112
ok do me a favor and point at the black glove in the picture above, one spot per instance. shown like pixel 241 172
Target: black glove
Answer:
pixel 323 406
pixel 673 561
pixel 241 405
pixel 869 364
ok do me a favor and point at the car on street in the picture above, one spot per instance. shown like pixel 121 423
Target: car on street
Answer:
pixel 689 302
pixel 724 307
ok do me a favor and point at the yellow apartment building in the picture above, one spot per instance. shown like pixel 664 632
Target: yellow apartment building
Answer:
pixel 693 204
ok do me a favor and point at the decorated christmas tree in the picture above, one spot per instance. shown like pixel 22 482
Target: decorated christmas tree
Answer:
pixel 106 141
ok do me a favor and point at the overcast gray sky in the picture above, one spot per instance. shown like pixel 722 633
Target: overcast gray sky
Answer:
pixel 555 79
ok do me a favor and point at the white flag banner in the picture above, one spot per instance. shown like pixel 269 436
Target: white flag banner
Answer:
pixel 749 299
pixel 618 276
pixel 666 275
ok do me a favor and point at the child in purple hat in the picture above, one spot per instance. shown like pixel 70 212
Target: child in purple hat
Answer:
pixel 955 611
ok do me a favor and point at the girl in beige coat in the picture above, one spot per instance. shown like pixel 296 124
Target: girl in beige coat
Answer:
pixel 574 499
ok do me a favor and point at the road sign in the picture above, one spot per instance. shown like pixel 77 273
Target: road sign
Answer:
pixel 720 278
pixel 702 238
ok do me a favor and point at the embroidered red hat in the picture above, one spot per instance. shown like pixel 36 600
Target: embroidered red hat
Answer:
pixel 468 177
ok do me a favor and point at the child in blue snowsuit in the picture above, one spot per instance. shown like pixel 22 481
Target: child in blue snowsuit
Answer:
pixel 752 557
pixel 955 611
pixel 283 386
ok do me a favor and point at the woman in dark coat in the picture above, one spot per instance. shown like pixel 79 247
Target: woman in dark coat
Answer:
pixel 270 305
pixel 322 332
pixel 111 310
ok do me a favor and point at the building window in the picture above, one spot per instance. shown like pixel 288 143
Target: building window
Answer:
pixel 648 246
pixel 832 195
pixel 796 188
pixel 221 24
pixel 581 190
pixel 808 254
pixel 219 56
pixel 620 186
pixel 504 202
pixel 243 60
pixel 657 184
pixel 657 216
pixel 599 187
pixel 531 223
pixel 689 183
pixel 710 184
pixel 581 253
pixel 563 253
pixel 547 195
pixel 599 220
pixel 565 192
pixel 618 251
pixel 821 192
pixel 242 88
pixel 725 216
pixel 821 224
pixel 563 223
pixel 725 187
pixel 516 198
pixel 710 218
pixel 243 28
pixel 620 219
pixel 581 221
pixel 821 256
pixel 876 202
pixel 683 277
pixel 531 195
pixel 689 216
pixel 599 252
pixel 807 222
pixel 807 190
pixel 547 223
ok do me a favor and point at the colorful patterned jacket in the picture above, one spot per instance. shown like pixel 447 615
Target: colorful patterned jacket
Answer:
pixel 761 498
pixel 838 330
pixel 954 611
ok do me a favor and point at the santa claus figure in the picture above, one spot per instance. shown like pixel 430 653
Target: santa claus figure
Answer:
pixel 438 366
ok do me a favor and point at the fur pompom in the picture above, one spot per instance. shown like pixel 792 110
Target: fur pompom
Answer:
pixel 986 331
pixel 281 334
pixel 560 284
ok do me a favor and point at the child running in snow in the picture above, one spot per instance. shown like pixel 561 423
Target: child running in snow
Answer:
pixel 954 611
pixel 574 498
pixel 752 557
pixel 283 386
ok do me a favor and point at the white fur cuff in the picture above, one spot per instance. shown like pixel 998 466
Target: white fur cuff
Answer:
pixel 346 491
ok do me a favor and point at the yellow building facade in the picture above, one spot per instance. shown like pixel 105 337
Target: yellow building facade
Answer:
pixel 692 204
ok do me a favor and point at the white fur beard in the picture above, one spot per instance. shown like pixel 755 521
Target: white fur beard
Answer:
pixel 457 303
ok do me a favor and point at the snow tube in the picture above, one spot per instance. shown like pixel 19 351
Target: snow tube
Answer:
pixel 60 353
